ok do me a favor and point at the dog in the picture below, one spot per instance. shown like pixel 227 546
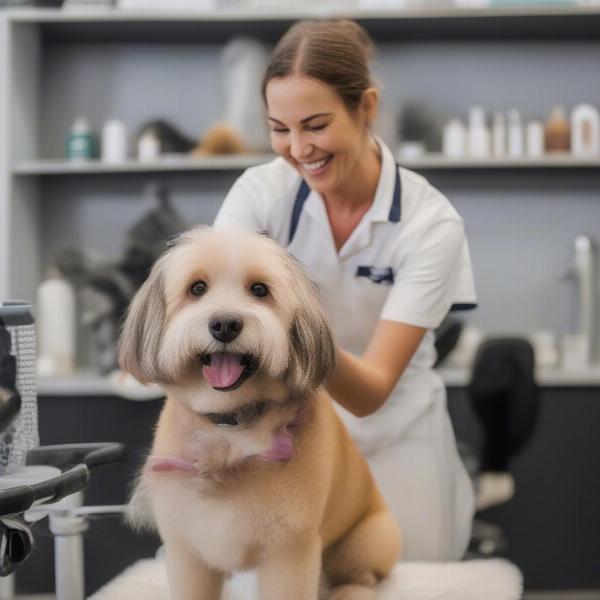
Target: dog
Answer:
pixel 250 468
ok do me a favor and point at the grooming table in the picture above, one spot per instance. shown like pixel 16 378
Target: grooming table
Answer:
pixel 469 580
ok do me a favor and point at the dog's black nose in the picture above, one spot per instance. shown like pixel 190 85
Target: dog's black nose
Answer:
pixel 225 328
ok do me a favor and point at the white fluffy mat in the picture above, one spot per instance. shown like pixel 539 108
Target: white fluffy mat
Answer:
pixel 493 579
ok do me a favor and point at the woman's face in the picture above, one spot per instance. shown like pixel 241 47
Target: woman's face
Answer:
pixel 314 131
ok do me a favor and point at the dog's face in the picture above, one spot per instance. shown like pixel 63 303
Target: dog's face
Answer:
pixel 227 311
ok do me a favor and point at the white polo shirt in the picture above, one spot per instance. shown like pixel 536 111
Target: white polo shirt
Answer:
pixel 407 260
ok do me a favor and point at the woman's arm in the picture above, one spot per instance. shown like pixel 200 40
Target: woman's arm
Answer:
pixel 362 384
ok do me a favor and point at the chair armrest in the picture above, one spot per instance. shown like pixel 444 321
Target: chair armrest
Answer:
pixel 64 456
pixel 20 498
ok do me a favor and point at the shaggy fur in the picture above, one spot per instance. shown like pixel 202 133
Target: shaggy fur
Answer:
pixel 286 493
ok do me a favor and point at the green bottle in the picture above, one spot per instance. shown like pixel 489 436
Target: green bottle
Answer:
pixel 80 141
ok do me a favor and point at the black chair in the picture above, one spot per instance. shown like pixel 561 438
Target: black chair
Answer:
pixel 505 398
pixel 51 479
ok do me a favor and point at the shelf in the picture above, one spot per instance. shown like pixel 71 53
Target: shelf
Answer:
pixel 526 22
pixel 87 383
pixel 550 161
pixel 545 377
pixel 96 167
pixel 241 162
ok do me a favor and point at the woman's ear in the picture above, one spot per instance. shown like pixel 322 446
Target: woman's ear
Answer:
pixel 370 104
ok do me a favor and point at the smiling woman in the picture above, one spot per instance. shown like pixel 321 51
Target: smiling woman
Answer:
pixel 390 256
pixel 320 116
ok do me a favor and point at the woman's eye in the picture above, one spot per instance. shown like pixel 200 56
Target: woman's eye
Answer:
pixel 259 290
pixel 198 288
pixel 317 127
pixel 278 130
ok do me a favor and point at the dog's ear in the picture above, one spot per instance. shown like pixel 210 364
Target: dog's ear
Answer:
pixel 312 350
pixel 143 329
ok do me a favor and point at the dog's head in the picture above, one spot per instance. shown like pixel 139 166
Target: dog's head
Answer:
pixel 223 307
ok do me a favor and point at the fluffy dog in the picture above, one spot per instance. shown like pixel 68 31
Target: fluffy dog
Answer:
pixel 251 466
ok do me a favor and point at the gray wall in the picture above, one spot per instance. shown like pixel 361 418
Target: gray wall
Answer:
pixel 521 224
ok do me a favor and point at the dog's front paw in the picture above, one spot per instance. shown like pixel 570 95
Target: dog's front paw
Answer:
pixel 352 592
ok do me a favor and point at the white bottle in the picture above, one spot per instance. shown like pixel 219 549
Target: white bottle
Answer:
pixel 516 145
pixel 114 142
pixel 499 135
pixel 535 139
pixel 56 327
pixel 585 131
pixel 479 144
pixel 454 139
pixel 148 147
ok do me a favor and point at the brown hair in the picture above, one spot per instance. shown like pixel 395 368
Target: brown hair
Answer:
pixel 335 52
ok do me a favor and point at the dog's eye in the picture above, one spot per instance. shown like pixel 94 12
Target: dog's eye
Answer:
pixel 260 290
pixel 198 288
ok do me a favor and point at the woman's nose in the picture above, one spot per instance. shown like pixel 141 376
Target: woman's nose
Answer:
pixel 300 148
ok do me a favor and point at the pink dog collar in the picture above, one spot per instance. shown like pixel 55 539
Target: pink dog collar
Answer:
pixel 282 448
pixel 158 464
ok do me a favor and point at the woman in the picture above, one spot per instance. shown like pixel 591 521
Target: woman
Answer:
pixel 390 255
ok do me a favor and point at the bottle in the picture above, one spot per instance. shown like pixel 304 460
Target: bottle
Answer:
pixel 499 135
pixel 114 141
pixel 56 326
pixel 557 131
pixel 479 144
pixel 454 140
pixel 148 147
pixel 516 145
pixel 585 131
pixel 80 141
pixel 535 139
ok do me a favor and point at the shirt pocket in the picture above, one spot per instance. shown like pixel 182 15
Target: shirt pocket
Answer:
pixel 372 286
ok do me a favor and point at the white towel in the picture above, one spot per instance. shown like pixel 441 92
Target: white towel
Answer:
pixel 469 580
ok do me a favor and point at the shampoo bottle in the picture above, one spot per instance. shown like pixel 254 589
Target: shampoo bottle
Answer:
pixel 516 144
pixel 56 326
pixel 557 134
pixel 585 131
pixel 80 141
pixel 479 144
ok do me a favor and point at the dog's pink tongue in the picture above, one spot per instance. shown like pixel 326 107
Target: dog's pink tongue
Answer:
pixel 224 369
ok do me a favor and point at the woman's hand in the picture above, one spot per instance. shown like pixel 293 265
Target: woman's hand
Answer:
pixel 362 384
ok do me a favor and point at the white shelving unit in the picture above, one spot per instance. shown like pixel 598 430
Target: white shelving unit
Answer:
pixel 431 161
pixel 549 161
pixel 41 67
pixel 95 167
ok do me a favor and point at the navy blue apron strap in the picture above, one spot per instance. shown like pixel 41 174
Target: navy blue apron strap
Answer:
pixel 396 207
pixel 301 196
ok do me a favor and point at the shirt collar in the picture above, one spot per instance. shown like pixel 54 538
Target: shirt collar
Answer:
pixel 387 202
pixel 386 205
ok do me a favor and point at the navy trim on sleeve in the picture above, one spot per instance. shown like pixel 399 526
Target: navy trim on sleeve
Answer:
pixel 301 196
pixel 465 306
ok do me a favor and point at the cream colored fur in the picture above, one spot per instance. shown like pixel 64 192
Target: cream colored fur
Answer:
pixel 291 520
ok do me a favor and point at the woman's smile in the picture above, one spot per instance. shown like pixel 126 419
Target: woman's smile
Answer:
pixel 317 167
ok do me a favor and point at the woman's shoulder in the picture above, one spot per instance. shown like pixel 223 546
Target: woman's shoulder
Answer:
pixel 422 200
pixel 272 179
pixel 259 198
